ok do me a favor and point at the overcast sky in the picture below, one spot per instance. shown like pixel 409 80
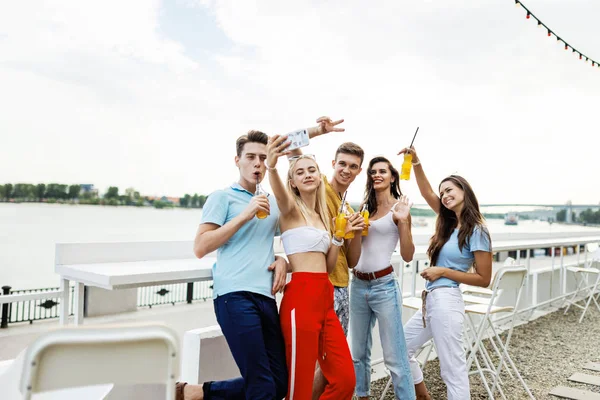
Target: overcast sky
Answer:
pixel 152 94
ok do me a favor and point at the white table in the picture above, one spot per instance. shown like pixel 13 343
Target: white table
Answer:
pixel 114 266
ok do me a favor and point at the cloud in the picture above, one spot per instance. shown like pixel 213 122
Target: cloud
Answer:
pixel 100 92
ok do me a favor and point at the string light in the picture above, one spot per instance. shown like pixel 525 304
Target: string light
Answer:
pixel 530 15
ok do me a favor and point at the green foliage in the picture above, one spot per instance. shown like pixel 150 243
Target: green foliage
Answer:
pixel 40 191
pixel 184 201
pixel 162 204
pixel 56 191
pixel 590 217
pixel 89 200
pixel 7 190
pixel 422 212
pixel 24 191
pixel 67 194
pixel 112 193
pixel 74 191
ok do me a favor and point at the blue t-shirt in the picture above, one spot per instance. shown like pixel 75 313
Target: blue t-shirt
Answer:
pixel 242 263
pixel 452 257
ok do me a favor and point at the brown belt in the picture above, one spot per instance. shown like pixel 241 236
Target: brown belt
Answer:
pixel 369 276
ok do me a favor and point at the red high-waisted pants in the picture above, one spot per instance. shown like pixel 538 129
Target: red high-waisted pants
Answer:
pixel 312 332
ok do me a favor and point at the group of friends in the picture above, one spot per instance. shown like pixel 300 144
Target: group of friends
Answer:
pixel 301 351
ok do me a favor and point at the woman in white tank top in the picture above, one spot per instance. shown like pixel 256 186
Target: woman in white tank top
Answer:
pixel 374 293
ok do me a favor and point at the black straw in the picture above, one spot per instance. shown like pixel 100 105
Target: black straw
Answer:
pixel 411 143
pixel 343 201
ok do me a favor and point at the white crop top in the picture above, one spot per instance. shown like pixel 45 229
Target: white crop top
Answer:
pixel 379 245
pixel 304 239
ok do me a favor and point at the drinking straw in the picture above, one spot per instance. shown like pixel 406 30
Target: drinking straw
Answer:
pixel 343 201
pixel 413 140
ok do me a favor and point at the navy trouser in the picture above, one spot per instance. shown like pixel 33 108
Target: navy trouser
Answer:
pixel 250 324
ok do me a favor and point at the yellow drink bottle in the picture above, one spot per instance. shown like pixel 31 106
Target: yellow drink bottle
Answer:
pixel 349 235
pixel 365 214
pixel 260 214
pixel 406 166
pixel 340 222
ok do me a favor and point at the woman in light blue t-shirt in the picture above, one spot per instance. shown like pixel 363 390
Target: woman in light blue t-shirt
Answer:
pixel 460 241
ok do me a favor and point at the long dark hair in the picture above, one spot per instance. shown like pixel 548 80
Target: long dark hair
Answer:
pixel 394 186
pixel 470 218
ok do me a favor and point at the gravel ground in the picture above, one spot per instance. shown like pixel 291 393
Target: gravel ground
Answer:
pixel 546 351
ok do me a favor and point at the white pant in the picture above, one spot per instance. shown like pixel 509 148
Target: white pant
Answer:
pixel 444 317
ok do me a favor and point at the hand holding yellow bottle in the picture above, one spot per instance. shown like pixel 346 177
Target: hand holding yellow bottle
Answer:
pixel 407 163
pixel 350 234
pixel 260 214
pixel 365 214
pixel 406 167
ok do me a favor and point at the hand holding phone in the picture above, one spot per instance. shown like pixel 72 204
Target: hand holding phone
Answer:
pixel 298 138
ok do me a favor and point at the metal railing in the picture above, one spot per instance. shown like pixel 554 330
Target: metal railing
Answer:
pixel 46 308
pixel 16 310
pixel 31 310
pixel 171 294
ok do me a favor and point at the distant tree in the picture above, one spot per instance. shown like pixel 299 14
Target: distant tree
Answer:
pixel 1 192
pixel 590 217
pixel 8 190
pixel 112 193
pixel 23 191
pixel 561 216
pixel 74 191
pixel 129 198
pixel 195 200
pixel 183 201
pixel 90 195
pixel 201 201
pixel 64 191
pixel 56 191
pixel 40 191
pixel 162 204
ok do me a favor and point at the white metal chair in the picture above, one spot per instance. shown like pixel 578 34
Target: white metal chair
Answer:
pixel 507 279
pixel 471 293
pixel 583 276
pixel 76 357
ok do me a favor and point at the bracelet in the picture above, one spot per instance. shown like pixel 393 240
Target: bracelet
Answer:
pixel 417 163
pixel 272 168
pixel 403 222
pixel 336 242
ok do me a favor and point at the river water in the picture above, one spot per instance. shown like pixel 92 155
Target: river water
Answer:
pixel 30 231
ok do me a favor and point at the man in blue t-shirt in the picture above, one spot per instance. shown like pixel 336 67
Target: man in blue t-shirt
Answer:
pixel 246 277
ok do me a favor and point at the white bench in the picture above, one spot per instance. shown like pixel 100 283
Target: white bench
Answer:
pixel 206 356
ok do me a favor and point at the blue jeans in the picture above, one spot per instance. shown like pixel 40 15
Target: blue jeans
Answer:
pixel 250 324
pixel 379 300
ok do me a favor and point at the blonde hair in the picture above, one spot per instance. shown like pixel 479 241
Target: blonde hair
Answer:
pixel 320 204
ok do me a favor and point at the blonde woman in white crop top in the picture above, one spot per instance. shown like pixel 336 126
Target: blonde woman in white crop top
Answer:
pixel 311 329
pixel 374 293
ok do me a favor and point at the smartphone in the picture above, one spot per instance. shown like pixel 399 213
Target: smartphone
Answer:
pixel 297 139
